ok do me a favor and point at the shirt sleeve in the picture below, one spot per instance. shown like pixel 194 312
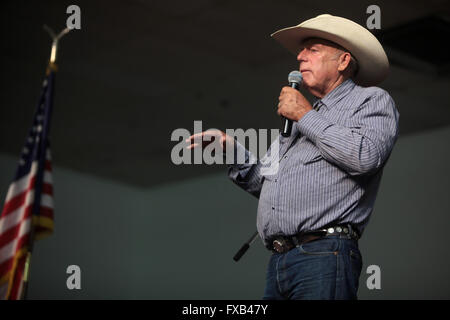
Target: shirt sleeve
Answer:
pixel 244 169
pixel 366 140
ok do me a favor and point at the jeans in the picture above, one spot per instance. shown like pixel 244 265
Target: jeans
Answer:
pixel 328 268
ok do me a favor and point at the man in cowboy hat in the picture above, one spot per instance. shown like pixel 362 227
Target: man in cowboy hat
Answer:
pixel 313 210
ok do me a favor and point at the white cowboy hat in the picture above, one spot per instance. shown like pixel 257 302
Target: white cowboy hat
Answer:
pixel 372 60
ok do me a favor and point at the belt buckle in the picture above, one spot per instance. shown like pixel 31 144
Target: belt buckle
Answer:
pixel 279 245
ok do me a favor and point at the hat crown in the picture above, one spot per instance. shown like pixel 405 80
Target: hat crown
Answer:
pixel 324 15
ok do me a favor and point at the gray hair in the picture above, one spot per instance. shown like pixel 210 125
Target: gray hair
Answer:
pixel 353 66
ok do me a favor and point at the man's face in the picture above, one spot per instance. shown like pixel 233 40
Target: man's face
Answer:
pixel 318 63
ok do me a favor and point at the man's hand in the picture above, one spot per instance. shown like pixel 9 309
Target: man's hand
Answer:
pixel 206 137
pixel 293 105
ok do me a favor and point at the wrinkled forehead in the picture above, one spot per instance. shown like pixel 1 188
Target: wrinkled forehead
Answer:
pixel 308 42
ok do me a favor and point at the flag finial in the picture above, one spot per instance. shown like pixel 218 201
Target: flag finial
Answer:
pixel 55 39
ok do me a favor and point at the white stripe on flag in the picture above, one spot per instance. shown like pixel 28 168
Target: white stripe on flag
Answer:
pixel 8 250
pixel 16 216
pixel 21 185
pixel 47 201
pixel 48 177
pixel 19 292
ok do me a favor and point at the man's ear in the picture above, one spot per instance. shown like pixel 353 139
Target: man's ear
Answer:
pixel 344 61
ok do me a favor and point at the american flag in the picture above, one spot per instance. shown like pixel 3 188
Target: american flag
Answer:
pixel 28 210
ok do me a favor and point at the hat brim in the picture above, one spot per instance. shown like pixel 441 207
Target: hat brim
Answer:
pixel 373 64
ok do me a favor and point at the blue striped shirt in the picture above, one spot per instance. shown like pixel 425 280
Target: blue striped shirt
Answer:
pixel 329 168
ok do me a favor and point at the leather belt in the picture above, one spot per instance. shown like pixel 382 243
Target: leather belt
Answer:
pixel 282 244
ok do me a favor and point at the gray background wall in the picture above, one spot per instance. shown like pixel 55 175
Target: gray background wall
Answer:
pixel 177 241
pixel 141 227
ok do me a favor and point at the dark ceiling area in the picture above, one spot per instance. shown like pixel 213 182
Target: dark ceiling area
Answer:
pixel 137 70
pixel 415 37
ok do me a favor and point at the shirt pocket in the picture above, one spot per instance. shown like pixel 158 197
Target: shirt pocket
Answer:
pixel 308 153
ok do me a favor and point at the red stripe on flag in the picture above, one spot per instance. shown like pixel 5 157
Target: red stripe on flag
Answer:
pixel 14 203
pixel 47 188
pixel 7 265
pixel 18 200
pixel 46 212
pixel 14 294
pixel 48 165
pixel 12 233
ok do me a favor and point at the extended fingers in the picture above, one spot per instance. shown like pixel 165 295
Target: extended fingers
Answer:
pixel 203 138
pixel 192 146
pixel 194 137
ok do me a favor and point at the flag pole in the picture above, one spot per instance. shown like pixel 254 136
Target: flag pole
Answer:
pixel 51 67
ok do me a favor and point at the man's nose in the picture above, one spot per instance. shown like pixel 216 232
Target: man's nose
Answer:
pixel 301 55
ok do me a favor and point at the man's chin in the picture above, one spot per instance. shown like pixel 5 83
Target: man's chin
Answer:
pixel 307 84
pixel 310 87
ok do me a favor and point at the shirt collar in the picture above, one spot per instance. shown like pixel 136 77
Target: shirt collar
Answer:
pixel 336 94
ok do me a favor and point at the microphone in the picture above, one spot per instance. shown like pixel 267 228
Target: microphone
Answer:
pixel 295 79
pixel 245 247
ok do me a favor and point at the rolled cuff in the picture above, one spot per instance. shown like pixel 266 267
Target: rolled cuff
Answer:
pixel 312 125
pixel 238 156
